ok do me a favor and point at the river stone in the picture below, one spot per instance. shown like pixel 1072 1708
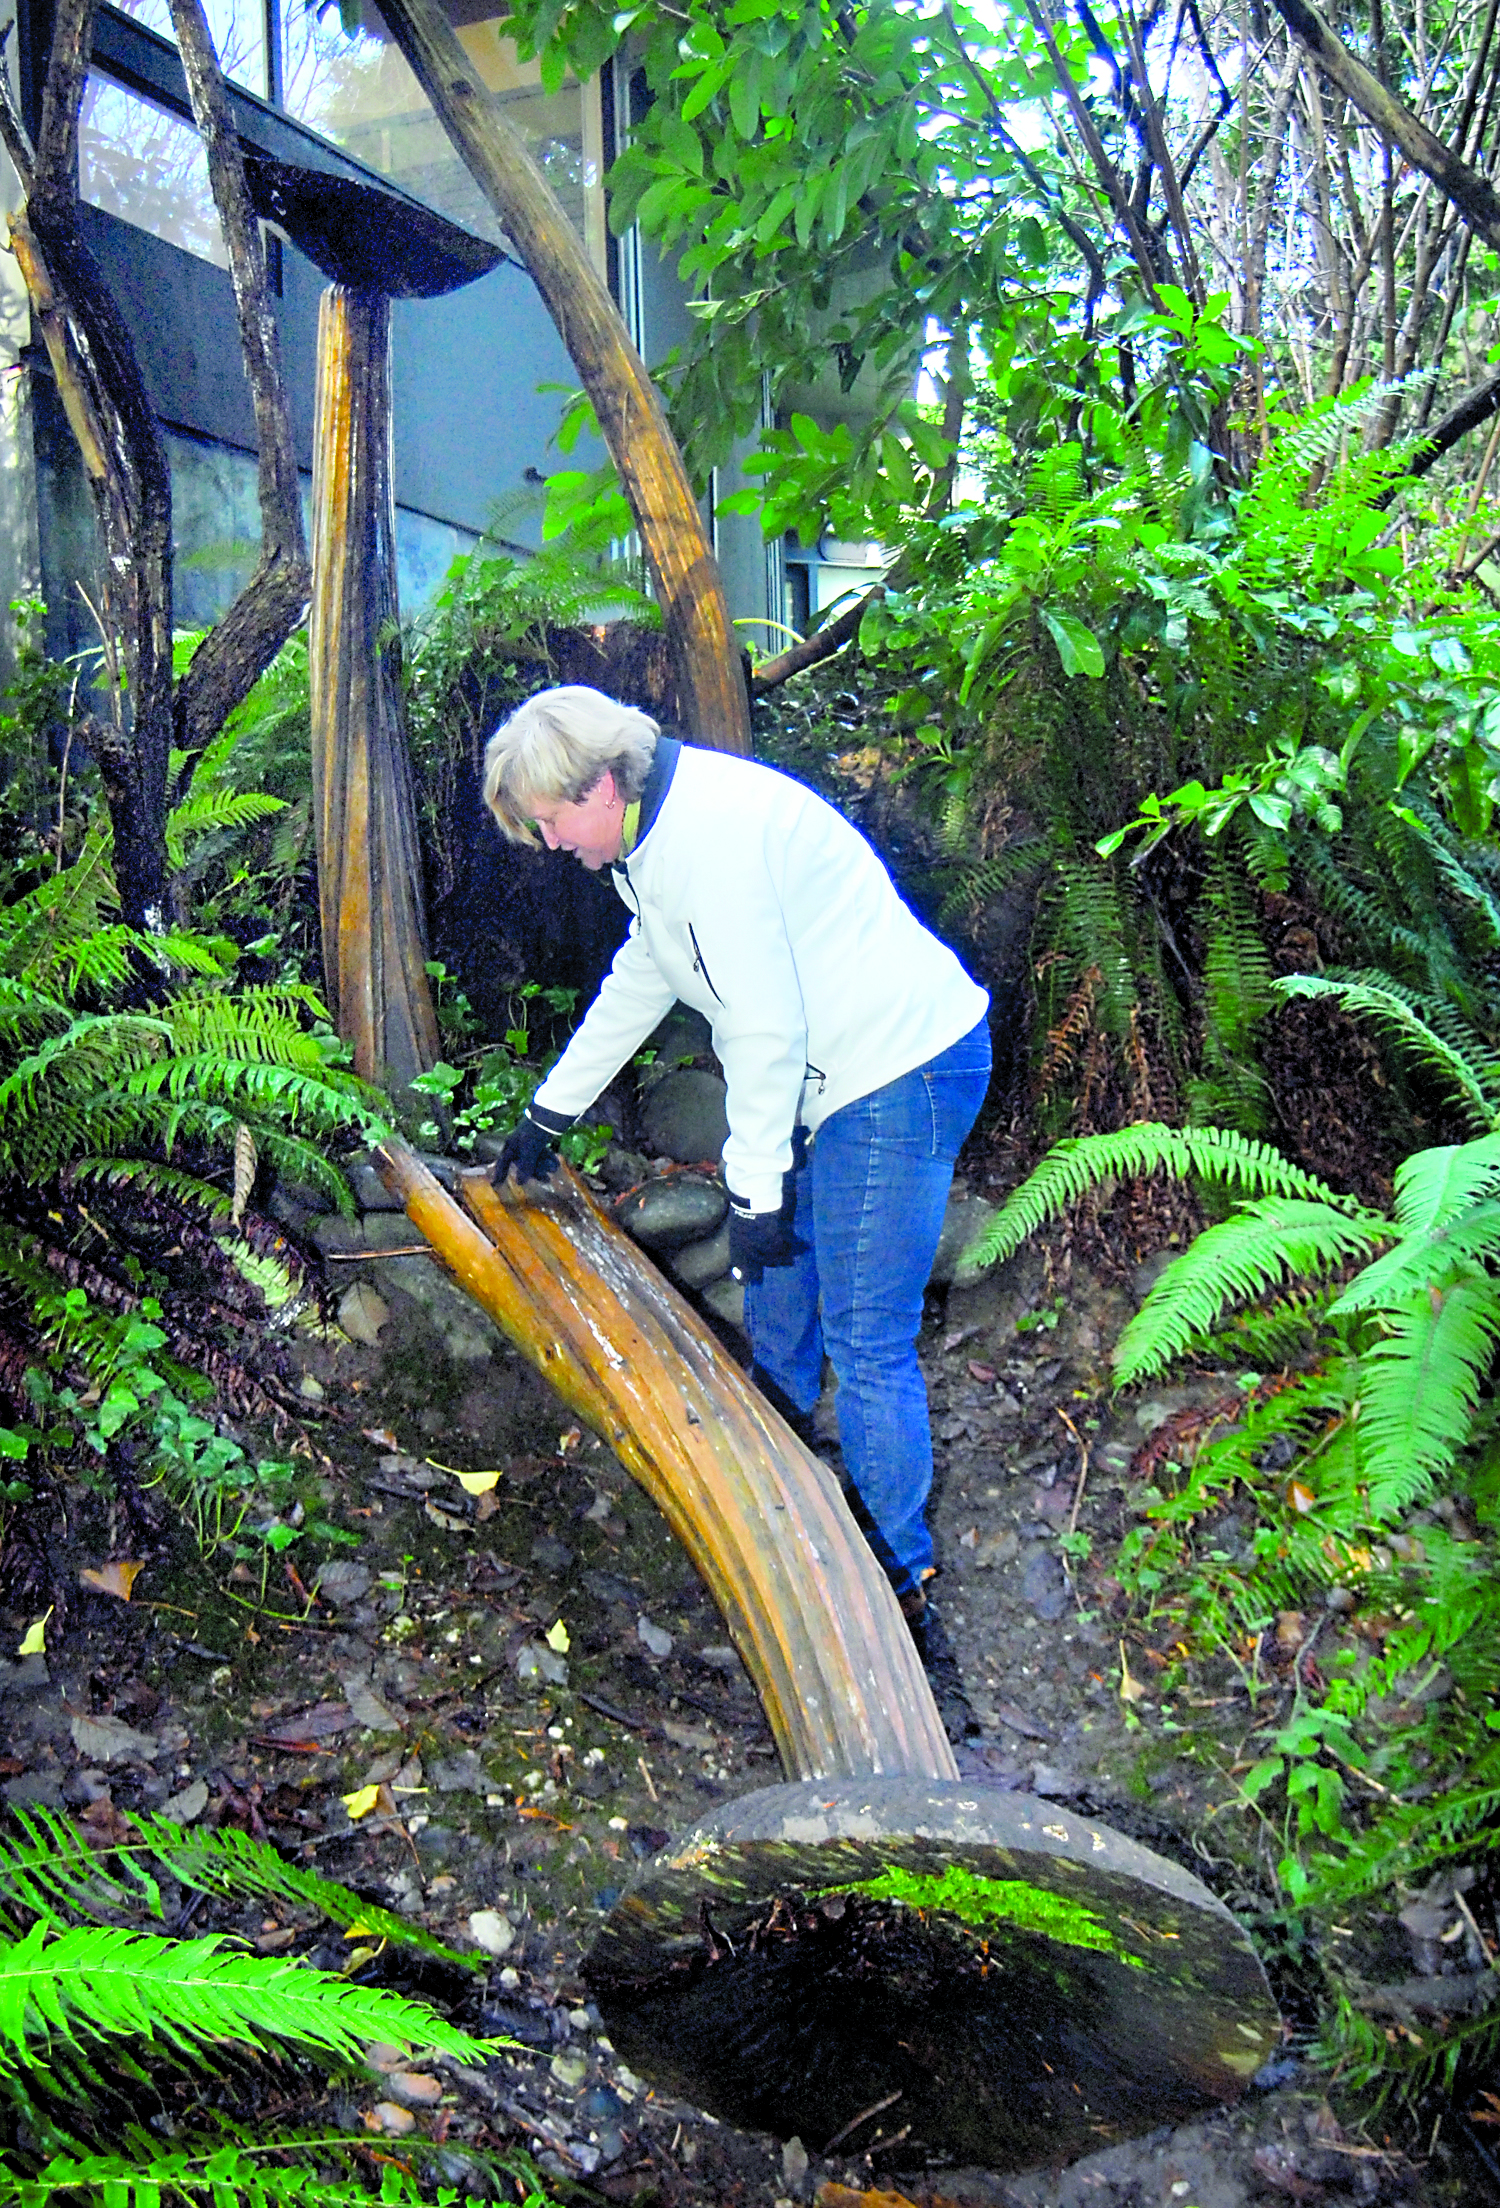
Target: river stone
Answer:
pixel 962 1220
pixel 726 1299
pixel 702 1262
pixel 684 1033
pixel 1059 1988
pixel 684 1117
pixel 667 1213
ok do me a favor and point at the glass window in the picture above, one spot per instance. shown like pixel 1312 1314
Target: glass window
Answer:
pixel 237 27
pixel 147 166
pixel 344 77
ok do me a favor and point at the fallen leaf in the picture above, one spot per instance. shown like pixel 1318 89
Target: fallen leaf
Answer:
pixel 557 1638
pixel 445 1518
pixel 272 1943
pixel 1302 1499
pixel 476 1483
pixel 1291 1629
pixel 969 1540
pixel 382 1437
pixel 984 1373
pixel 1131 1690
pixel 361 1801
pixel 33 1641
pixel 321 1722
pixel 115 1578
pixel 569 1441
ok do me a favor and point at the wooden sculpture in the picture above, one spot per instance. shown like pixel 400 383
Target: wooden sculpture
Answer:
pixel 992 1977
pixel 374 245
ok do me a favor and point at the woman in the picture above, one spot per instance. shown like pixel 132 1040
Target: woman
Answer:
pixel 853 1044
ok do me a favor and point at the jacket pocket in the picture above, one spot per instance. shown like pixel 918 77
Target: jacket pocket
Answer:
pixel 700 966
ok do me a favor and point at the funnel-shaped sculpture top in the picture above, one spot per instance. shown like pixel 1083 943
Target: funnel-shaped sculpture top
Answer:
pixel 364 236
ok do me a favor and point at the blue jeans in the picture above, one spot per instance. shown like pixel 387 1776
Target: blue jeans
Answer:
pixel 870 1190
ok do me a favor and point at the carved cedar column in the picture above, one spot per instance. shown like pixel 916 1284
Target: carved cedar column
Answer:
pixel 369 864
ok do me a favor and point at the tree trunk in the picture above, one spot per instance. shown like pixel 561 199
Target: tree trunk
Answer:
pixel 711 692
pixel 364 803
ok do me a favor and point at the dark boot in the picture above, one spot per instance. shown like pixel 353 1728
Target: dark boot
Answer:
pixel 941 1666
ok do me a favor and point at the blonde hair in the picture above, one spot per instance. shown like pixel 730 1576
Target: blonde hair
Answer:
pixel 555 747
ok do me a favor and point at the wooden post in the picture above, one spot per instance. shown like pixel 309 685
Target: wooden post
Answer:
pixel 369 863
pixel 711 695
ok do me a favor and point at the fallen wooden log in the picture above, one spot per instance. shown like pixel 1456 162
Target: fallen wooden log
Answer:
pixel 885 1956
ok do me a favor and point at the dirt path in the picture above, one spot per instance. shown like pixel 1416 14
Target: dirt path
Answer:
pixel 524 1770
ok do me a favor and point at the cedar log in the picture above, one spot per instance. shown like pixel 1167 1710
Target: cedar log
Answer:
pixel 805 1602
pixel 365 808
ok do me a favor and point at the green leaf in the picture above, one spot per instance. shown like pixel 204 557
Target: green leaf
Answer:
pixel 1078 648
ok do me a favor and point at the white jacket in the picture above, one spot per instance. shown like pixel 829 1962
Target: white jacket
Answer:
pixel 761 906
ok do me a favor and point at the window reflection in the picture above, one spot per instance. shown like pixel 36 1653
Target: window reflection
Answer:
pixel 139 162
pixel 343 76
pixel 237 27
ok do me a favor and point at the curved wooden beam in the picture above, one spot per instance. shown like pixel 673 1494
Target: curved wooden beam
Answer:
pixel 805 1602
pixel 711 697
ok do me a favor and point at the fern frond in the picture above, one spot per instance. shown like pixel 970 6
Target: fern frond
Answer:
pixel 1419 1389
pixel 54 1867
pixel 1262 1245
pixel 1216 1155
pixel 988 878
pixel 100 1982
pixel 1473 1072
pixel 211 811
pixel 1435 1186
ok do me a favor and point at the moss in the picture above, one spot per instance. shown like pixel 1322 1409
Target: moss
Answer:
pixel 984 1902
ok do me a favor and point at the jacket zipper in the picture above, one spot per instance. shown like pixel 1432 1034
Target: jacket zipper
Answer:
pixel 816 1072
pixel 699 966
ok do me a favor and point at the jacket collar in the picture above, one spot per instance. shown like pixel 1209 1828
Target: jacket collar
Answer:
pixel 658 782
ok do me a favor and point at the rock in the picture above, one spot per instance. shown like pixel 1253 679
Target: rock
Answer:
pixel 363 1311
pixel 684 1116
pixel 962 1220
pixel 673 1210
pixel 684 1033
pixel 1045 1585
pixel 493 1931
pixel 461 1774
pixel 391 2118
pixel 537 1664
pixel 702 1262
pixel 1006 1405
pixel 414 2088
pixel 794 2165
pixel 996 1548
pixel 726 1299
pixel 653 1637
pixel 720 1659
pixel 110 1740
pixel 37 1789
pixel 335 1235
pixel 622 1169
pixel 601 2105
pixel 25 1676
pixel 311 1388
pixel 549 1554
pixel 1054 1785
pixel 185 1808
pixel 587 2157
pixel 570 2069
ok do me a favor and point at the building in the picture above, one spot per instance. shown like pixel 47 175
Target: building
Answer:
pixel 479 376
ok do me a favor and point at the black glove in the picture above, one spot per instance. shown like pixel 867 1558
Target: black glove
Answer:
pixel 531 1146
pixel 759 1240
